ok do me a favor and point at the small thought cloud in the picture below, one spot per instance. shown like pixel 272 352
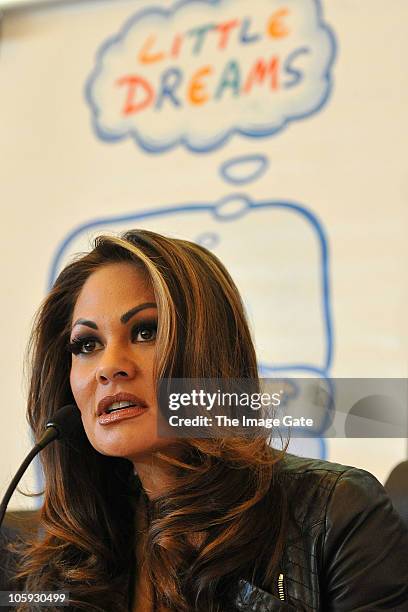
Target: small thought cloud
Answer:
pixel 197 73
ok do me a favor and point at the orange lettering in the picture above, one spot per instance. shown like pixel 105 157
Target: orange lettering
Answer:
pixel 145 55
pixel 195 91
pixel 133 82
pixel 277 29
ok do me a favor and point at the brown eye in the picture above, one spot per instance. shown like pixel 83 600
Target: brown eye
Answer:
pixel 147 334
pixel 144 332
pixel 88 346
pixel 84 346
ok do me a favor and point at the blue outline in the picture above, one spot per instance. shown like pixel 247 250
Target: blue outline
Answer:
pixel 183 140
pixel 328 418
pixel 310 217
pixel 241 160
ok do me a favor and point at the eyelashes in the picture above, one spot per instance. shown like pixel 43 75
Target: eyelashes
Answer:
pixel 141 328
pixel 84 344
pixel 143 331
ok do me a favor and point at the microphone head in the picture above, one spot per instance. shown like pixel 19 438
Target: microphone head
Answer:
pixel 66 420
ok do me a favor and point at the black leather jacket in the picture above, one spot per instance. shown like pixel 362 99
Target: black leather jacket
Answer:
pixel 346 550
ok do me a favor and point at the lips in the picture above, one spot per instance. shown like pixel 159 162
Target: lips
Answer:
pixel 106 403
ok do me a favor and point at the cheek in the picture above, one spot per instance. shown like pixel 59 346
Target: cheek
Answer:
pixel 81 387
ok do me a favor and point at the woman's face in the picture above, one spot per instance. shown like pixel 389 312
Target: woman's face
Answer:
pixel 112 342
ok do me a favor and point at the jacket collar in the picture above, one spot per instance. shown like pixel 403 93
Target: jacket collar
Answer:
pixel 251 598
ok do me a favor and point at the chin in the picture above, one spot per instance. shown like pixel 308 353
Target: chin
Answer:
pixel 127 445
pixel 115 443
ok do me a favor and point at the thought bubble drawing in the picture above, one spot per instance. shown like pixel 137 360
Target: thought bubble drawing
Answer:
pixel 244 169
pixel 203 70
pixel 292 323
pixel 289 307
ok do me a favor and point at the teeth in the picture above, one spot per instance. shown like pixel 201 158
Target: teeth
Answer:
pixel 119 406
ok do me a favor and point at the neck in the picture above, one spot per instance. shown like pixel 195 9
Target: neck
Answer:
pixel 156 475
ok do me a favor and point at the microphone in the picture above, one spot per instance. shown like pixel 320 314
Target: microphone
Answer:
pixel 62 424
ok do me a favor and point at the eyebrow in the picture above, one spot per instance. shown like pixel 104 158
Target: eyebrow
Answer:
pixel 123 319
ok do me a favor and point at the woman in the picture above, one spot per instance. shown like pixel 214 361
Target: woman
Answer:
pixel 133 520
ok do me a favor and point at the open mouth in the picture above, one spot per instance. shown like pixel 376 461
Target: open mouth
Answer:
pixel 120 406
pixel 120 401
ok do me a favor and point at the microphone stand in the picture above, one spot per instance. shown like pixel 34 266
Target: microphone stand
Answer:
pixel 62 424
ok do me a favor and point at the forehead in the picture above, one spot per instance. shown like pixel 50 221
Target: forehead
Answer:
pixel 113 288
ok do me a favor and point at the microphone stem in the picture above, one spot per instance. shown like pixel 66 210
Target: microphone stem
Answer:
pixel 50 434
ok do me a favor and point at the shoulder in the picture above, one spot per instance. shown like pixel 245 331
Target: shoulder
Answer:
pixel 334 495
pixel 350 529
pixel 295 466
pixel 311 485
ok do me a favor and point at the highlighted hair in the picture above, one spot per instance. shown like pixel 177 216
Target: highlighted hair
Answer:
pixel 224 518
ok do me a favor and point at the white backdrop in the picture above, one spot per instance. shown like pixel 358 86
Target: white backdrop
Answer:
pixel 297 182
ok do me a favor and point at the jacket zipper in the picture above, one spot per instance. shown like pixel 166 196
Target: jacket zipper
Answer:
pixel 281 588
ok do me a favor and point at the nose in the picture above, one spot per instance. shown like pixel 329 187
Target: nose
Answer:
pixel 115 365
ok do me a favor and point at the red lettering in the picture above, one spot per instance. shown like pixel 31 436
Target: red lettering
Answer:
pixel 135 83
pixel 175 49
pixel 225 29
pixel 259 72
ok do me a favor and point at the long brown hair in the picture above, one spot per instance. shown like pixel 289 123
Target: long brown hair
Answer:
pixel 224 487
